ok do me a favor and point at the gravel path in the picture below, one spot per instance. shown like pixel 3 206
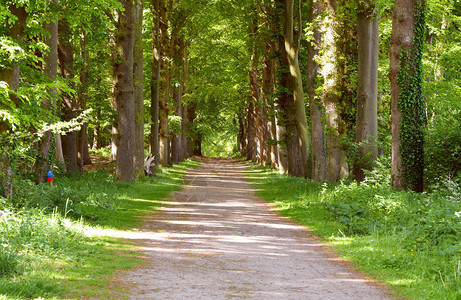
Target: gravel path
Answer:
pixel 216 240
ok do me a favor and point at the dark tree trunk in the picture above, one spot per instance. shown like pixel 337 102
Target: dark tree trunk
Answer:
pixel 155 83
pixel 10 75
pixel 43 163
pixel 69 103
pixel 250 131
pixel 124 93
pixel 82 141
pixel 287 118
pixel 241 135
pixel 164 139
pixel 295 85
pixel 138 92
pixel 407 103
pixel 319 160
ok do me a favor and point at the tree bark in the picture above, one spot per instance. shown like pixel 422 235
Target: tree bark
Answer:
pixel 69 103
pixel 185 107
pixel 286 104
pixel 82 141
pixel 331 94
pixel 367 91
pixel 10 75
pixel 270 144
pixel 177 94
pixel 124 93
pixel 407 104
pixel 164 140
pixel 319 160
pixel 43 162
pixel 138 92
pixel 292 51
pixel 250 130
pixel 155 83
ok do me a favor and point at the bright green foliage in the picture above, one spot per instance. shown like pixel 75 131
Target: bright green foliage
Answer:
pixel 51 248
pixel 409 241
pixel 411 105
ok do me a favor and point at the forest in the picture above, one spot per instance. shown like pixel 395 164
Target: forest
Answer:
pixel 357 100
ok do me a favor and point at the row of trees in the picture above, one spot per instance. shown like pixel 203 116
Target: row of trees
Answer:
pixel 342 36
pixel 181 77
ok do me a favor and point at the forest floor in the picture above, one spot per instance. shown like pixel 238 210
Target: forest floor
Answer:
pixel 215 239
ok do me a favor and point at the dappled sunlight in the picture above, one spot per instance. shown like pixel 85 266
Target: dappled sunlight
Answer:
pixel 216 236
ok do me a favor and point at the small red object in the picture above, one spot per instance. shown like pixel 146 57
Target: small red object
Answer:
pixel 50 179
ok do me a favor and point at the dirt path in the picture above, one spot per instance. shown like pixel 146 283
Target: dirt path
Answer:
pixel 217 240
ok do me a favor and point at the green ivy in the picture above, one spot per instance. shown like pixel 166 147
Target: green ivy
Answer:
pixel 411 104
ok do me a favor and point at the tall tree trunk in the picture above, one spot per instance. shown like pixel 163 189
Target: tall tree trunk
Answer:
pixel 292 50
pixel 250 130
pixel 155 83
pixel 138 92
pixel 287 117
pixel 242 135
pixel 124 93
pixel 319 160
pixel 367 91
pixel 185 107
pixel 331 94
pixel 254 124
pixel 82 141
pixel 43 162
pixel 270 138
pixel 164 140
pixel 177 94
pixel 407 103
pixel 191 131
pixel 10 75
pixel 69 103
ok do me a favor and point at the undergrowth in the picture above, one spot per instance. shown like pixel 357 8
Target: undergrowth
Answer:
pixel 52 242
pixel 410 241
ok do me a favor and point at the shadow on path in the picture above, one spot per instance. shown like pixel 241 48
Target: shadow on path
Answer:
pixel 216 240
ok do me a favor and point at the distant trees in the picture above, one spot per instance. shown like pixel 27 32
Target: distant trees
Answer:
pixel 342 84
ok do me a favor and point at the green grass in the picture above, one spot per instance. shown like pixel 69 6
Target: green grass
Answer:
pixel 53 243
pixel 411 242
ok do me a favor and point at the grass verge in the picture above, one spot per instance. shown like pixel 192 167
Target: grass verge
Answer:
pixel 411 242
pixel 55 244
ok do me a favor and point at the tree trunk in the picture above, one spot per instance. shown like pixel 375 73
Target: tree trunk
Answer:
pixel 281 143
pixel 69 103
pixel 407 103
pixel 10 75
pixel 184 90
pixel 43 163
pixel 164 140
pixel 177 94
pixel 331 94
pixel 242 135
pixel 82 141
pixel 138 92
pixel 287 116
pixel 367 91
pixel 292 50
pixel 270 138
pixel 250 131
pixel 155 83
pixel 319 160
pixel 254 122
pixel 124 93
